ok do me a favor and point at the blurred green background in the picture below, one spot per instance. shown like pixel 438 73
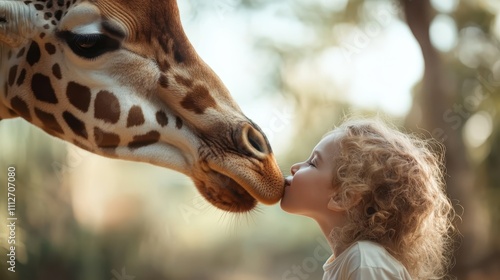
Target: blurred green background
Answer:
pixel 296 68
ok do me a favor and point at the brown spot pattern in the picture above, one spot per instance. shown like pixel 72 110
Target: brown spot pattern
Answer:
pixel 164 65
pixel 33 53
pixel 49 121
pixel 179 57
pixel 144 140
pixel 21 108
pixel 198 100
pixel 42 88
pixel 56 71
pixel 106 139
pixel 135 117
pixel 183 81
pixel 162 118
pixel 163 81
pixel 107 107
pixel 79 96
pixel 21 78
pixel 178 122
pixel 12 75
pixel 58 15
pixel 21 52
pixel 50 48
pixel 76 125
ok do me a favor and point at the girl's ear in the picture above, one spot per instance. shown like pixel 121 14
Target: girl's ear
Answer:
pixel 334 205
pixel 352 200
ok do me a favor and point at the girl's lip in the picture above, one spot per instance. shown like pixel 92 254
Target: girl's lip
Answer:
pixel 288 181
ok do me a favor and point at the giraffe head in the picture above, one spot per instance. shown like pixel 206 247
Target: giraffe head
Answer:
pixel 120 78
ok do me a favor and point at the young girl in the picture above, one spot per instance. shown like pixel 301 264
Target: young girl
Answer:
pixel 378 196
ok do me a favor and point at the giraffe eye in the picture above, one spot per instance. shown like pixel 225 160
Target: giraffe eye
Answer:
pixel 86 42
pixel 89 45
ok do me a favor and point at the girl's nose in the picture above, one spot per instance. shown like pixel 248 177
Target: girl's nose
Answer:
pixel 294 168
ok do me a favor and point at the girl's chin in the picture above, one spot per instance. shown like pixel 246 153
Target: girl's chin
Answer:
pixel 282 202
pixel 285 205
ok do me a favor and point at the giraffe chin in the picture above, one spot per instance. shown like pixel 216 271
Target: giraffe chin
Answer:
pixel 225 193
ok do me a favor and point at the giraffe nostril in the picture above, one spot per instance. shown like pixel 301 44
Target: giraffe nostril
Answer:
pixel 254 141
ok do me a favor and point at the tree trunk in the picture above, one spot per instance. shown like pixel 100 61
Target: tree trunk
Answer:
pixel 437 110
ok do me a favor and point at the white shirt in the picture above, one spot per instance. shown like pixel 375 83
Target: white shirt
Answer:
pixel 364 260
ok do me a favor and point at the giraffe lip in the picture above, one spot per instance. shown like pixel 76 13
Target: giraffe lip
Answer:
pixel 248 182
pixel 226 194
pixel 236 189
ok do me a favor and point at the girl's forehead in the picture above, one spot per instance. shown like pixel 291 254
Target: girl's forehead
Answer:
pixel 329 144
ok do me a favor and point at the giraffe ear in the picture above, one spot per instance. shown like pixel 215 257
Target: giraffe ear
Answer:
pixel 17 22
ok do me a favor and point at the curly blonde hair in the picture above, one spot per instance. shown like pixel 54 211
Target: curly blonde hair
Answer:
pixel 392 188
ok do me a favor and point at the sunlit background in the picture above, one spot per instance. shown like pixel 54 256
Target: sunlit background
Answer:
pixel 296 68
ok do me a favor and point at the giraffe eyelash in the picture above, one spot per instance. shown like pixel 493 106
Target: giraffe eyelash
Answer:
pixel 89 46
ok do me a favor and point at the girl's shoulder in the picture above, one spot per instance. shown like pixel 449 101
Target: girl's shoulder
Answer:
pixel 366 258
pixel 372 254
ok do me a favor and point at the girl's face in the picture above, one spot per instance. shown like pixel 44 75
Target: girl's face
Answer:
pixel 309 188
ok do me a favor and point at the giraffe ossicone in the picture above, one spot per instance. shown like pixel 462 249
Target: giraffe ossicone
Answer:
pixel 120 78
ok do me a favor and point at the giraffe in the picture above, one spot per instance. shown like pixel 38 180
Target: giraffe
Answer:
pixel 119 78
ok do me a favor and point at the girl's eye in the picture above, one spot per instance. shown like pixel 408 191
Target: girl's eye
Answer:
pixel 311 163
